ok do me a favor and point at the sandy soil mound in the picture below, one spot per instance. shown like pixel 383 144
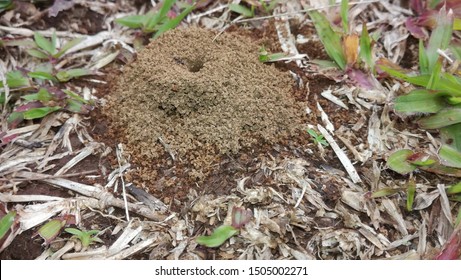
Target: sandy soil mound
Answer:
pixel 201 97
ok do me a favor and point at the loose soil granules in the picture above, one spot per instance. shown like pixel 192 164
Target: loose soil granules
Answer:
pixel 201 97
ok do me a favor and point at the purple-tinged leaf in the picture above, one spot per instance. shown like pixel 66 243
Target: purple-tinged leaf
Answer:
pixel 418 6
pixel 361 79
pixel 452 248
pixel 14 119
pixel 7 139
pixel 240 217
pixel 58 94
pixel 416 29
pixel 28 106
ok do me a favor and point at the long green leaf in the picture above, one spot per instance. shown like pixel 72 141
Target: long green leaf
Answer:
pixel 440 36
pixel 420 100
pixel 330 39
pixel 42 75
pixel 218 237
pixel 133 21
pixel 6 222
pixel 66 75
pixel 75 96
pixel 153 21
pixel 433 82
pixel 37 113
pixel 44 43
pixel 172 23
pixel 423 62
pixel 450 156
pixel 411 190
pixel 37 53
pixel 442 169
pixel 454 189
pixel 443 118
pixel 68 46
pixel 242 10
pixel 366 53
pixel 421 80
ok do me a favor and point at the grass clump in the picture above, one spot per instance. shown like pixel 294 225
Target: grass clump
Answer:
pixel 350 52
pixel 156 23
pixel 29 94
pixel 438 94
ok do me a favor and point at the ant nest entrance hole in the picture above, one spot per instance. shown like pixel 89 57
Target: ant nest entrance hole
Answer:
pixel 196 64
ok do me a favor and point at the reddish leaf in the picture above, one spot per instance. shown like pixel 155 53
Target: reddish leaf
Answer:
pixel 240 216
pixel 452 249
pixel 28 106
pixel 360 78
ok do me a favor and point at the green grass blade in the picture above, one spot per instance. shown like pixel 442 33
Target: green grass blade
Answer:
pixel 440 36
pixel 421 80
pixel 443 118
pixel 73 231
pixel 153 21
pixel 68 46
pixel 411 190
pixel 41 75
pixel 344 15
pixel 172 23
pixel 330 39
pixel 454 189
pixel 44 43
pixel 450 156
pixel 435 75
pixel 242 10
pixel 37 113
pixel 37 53
pixel 133 21
pixel 218 237
pixel 6 222
pixel 423 60
pixel 66 75
pixel 420 100
pixel 366 53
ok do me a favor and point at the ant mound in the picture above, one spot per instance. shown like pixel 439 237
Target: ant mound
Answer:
pixel 198 98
